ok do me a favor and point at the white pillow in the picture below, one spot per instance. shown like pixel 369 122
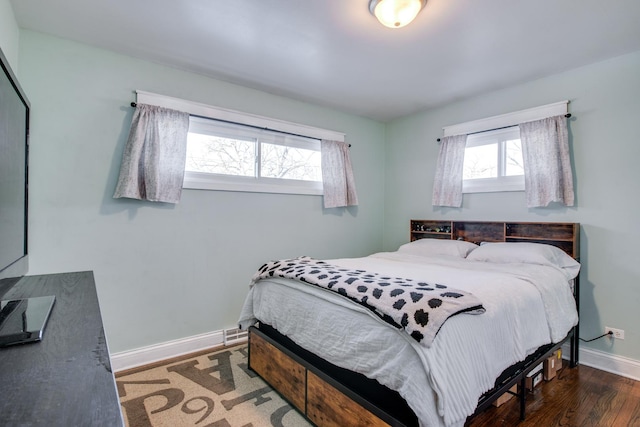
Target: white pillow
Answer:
pixel 530 253
pixel 431 247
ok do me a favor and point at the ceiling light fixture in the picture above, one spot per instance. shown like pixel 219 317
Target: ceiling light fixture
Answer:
pixel 396 13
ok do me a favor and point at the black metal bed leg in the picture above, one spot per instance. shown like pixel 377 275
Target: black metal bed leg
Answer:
pixel 523 397
pixel 573 356
pixel 575 339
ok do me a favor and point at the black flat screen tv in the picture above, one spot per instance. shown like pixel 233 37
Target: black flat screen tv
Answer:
pixel 14 172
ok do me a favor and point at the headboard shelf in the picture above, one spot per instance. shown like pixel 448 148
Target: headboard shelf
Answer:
pixel 565 235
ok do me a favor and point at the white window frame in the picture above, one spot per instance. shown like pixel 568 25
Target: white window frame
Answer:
pixel 208 181
pixel 257 183
pixel 495 123
pixel 501 182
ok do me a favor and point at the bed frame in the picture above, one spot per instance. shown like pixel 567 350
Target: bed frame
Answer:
pixel 331 396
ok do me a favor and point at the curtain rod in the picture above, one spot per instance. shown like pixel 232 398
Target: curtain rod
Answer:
pixel 133 104
pixel 489 130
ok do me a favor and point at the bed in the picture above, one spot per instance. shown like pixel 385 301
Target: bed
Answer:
pixel 342 363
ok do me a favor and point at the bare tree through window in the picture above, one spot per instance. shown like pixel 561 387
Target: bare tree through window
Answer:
pixel 226 156
pixel 514 164
pixel 281 161
pixel 481 162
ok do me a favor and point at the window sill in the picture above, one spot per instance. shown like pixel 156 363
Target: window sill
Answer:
pixel 492 185
pixel 197 181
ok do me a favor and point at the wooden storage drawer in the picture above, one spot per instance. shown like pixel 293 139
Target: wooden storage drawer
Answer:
pixel 327 407
pixel 283 373
pixel 309 384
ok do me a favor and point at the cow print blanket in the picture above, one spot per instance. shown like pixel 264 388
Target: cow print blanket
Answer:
pixel 417 307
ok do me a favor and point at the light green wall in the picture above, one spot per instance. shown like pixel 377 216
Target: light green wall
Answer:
pixel 605 103
pixel 166 272
pixel 9 34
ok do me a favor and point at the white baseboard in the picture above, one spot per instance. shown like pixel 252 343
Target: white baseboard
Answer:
pixel 166 350
pixel 607 362
pixel 618 365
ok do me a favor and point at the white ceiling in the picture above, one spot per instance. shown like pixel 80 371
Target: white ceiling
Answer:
pixel 334 53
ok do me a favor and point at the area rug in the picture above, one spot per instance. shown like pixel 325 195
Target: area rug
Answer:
pixel 211 389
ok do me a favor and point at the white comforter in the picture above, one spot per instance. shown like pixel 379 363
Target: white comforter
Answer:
pixel 526 306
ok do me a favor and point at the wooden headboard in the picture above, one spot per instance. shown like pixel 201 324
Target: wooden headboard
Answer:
pixel 565 235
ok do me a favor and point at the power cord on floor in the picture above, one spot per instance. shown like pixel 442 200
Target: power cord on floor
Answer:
pixel 561 370
pixel 597 338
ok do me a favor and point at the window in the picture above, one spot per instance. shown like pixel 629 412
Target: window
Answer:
pixel 237 151
pixel 232 156
pixel 493 161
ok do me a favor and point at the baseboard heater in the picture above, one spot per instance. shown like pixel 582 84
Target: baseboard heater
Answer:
pixel 234 336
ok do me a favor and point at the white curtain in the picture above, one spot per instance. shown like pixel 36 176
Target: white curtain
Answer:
pixel 154 157
pixel 337 175
pixel 547 165
pixel 447 186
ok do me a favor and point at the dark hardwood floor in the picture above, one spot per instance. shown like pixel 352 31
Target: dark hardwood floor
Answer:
pixel 578 397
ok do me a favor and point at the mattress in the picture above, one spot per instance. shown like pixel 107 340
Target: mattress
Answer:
pixel 527 306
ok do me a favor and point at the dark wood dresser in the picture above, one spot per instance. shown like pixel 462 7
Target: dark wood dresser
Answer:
pixel 65 379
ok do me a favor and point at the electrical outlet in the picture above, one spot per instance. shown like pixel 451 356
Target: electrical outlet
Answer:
pixel 617 333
